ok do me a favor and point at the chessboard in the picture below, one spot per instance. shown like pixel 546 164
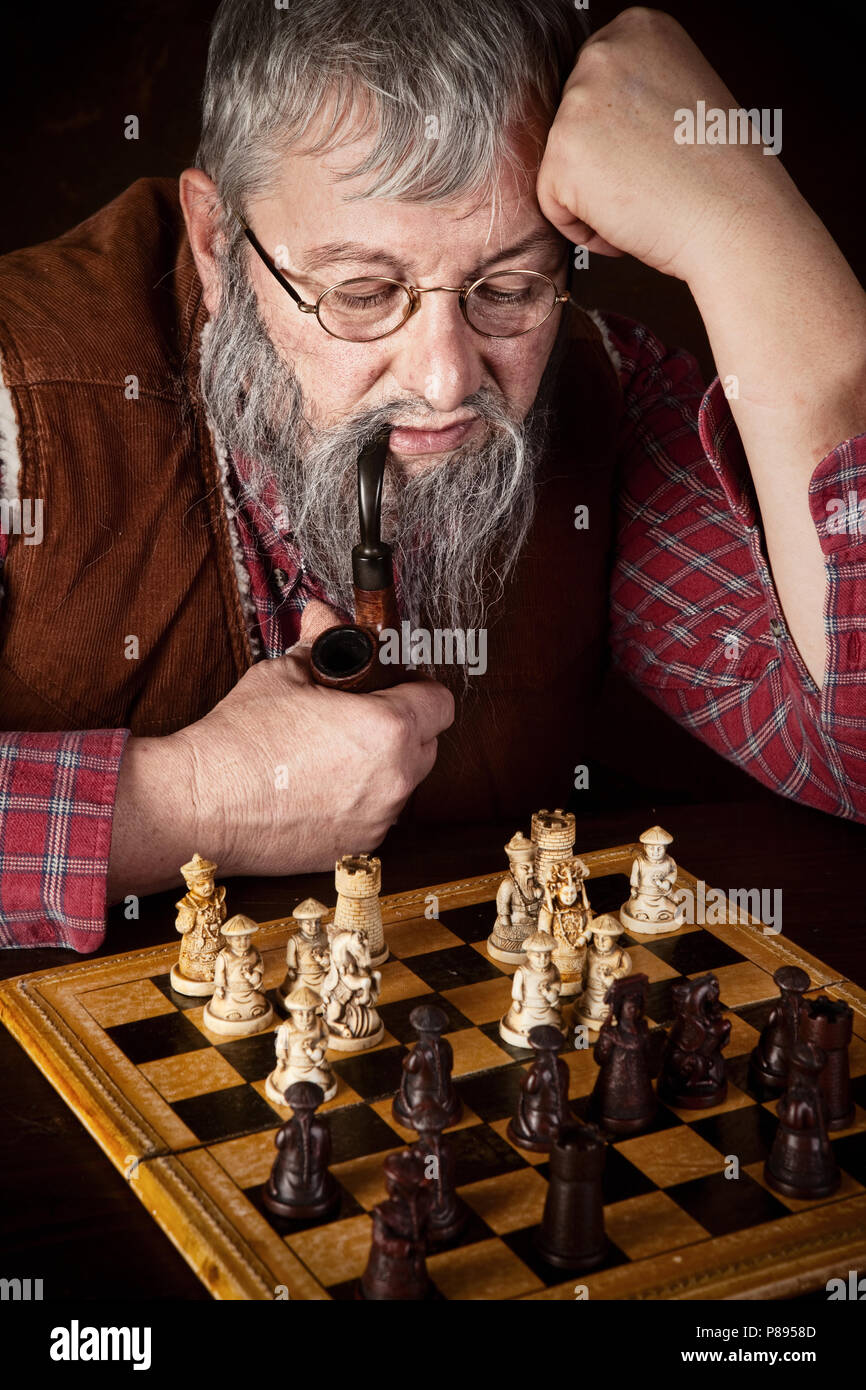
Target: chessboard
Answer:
pixel 184 1116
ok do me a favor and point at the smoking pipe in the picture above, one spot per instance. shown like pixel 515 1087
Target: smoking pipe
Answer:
pixel 347 657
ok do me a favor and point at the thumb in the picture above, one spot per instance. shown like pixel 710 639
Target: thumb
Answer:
pixel 316 617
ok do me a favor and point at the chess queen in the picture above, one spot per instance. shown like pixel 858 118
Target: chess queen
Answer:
pixel 567 920
pixel 651 908
pixel 238 1007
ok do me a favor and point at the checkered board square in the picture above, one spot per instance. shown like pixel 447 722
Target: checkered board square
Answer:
pixel 184 1113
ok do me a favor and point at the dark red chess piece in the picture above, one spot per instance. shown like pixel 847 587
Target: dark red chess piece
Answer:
pixel 629 1055
pixel 768 1064
pixel 829 1024
pixel 448 1212
pixel 543 1106
pixel 426 1076
pixel 397 1268
pixel 693 1068
pixel 572 1228
pixel 802 1163
pixel 300 1187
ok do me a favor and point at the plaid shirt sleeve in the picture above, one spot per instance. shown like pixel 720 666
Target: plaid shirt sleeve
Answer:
pixel 696 622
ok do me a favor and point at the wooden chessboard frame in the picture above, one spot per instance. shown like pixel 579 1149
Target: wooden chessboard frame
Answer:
pixel 238 1255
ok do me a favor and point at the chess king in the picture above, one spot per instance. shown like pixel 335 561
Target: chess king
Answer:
pixel 200 915
pixel 651 908
pixel 517 903
pixel 238 1007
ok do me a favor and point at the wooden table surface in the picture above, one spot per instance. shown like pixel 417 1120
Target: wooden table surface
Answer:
pixel 69 1216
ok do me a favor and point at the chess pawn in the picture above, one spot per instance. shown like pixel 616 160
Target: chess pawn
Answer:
pixel 349 991
pixel 543 1106
pixel 693 1068
pixel 768 1063
pixel 307 950
pixel 200 915
pixel 572 1227
pixel 605 963
pixel 301 1043
pixel 425 1078
pixel 829 1024
pixel 534 993
pixel 300 1187
pixel 517 903
pixel 802 1163
pixel 449 1214
pixel 358 880
pixel 397 1267
pixel 567 920
pixel 238 1007
pixel 629 1056
pixel 651 908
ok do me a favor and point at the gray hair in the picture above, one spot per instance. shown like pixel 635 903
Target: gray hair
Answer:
pixel 441 85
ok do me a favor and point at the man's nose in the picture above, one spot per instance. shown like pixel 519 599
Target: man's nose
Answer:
pixel 437 355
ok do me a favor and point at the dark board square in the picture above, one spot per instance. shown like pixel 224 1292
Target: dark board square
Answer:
pixel 663 1118
pixel 851 1154
pixel 492 1095
pixel 694 953
pixel 523 1244
pixel 254 1058
pixel 223 1114
pixel 756 1014
pixel 746 1133
pixel 481 1153
pixel 357 1130
pixel 722 1205
pixel 458 965
pixel 473 923
pixel 348 1207
pixel 608 893
pixel 396 1016
pixel 858 1090
pixel 180 1001
pixel 621 1179
pixel 491 1031
pixel 373 1075
pixel 659 1001
pixel 740 1075
pixel 149 1039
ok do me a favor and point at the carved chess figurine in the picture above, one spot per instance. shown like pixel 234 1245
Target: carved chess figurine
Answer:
pixel 349 991
pixel 426 1074
pixel 534 993
pixel 200 915
pixel 517 903
pixel 543 1107
pixel 567 920
pixel 605 963
pixel 307 949
pixel 301 1043
pixel 651 908
pixel 829 1024
pixel 553 836
pixel 238 1007
pixel 449 1213
pixel 802 1163
pixel 629 1056
pixel 358 881
pixel 768 1063
pixel 572 1226
pixel 397 1267
pixel 693 1068
pixel 300 1187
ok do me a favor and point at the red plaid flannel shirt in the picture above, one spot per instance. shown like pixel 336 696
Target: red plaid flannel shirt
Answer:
pixel 695 623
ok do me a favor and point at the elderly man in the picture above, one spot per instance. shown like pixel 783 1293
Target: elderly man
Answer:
pixel 379 230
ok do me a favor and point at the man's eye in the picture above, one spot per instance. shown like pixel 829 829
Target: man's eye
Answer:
pixel 362 301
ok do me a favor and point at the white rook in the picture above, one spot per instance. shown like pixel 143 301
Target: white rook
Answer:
pixel 553 834
pixel 358 880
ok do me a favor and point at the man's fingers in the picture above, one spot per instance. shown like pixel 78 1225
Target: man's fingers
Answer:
pixel 426 702
pixel 315 618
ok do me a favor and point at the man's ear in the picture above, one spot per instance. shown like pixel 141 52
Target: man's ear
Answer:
pixel 200 203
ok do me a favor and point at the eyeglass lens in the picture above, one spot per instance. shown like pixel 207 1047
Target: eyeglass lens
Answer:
pixel 504 304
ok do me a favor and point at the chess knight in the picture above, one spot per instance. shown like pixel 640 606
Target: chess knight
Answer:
pixel 517 903
pixel 200 915
pixel 567 920
pixel 651 908
pixel 350 990
pixel 301 1043
pixel 238 1007
pixel 307 950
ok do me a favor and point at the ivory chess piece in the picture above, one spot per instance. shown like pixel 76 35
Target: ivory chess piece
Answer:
pixel 349 992
pixel 605 963
pixel 553 836
pixel 829 1024
pixel 301 1043
pixel 629 1056
pixel 768 1064
pixel 543 1108
pixel 517 903
pixel 358 880
pixel 567 920
pixel 426 1075
pixel 307 949
pixel 534 993
pixel 693 1068
pixel 397 1267
pixel 651 907
pixel 572 1227
pixel 200 915
pixel 802 1162
pixel 238 1007
pixel 300 1186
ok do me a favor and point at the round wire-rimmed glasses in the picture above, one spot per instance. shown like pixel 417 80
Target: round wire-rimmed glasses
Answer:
pixel 504 304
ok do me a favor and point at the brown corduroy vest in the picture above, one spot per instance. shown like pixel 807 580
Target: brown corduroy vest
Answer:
pixel 99 334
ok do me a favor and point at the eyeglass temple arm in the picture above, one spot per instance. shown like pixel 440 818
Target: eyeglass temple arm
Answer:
pixel 265 258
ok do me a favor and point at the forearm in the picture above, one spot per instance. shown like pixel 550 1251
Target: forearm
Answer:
pixel 155 827
pixel 786 318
